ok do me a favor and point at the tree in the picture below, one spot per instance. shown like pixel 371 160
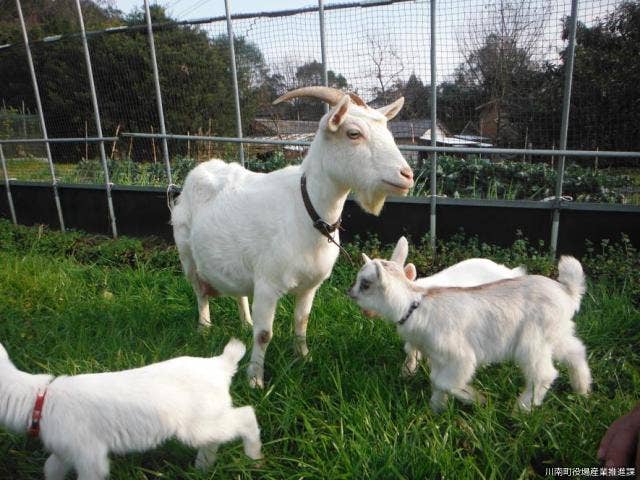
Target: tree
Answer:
pixel 289 77
pixel 194 77
pixel 605 103
pixel 498 66
pixel 387 68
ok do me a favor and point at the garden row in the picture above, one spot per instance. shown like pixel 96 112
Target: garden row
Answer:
pixel 456 177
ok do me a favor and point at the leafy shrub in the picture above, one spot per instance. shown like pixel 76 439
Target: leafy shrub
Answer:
pixel 483 178
pixel 618 262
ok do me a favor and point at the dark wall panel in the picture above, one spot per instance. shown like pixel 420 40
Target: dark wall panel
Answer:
pixel 143 212
pixel 34 204
pixel 4 203
pixel 85 209
pixel 578 225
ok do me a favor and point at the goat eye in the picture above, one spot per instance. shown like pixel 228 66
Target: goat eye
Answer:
pixel 353 134
pixel 364 285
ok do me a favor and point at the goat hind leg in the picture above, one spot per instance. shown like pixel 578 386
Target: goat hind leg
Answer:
pixel 237 422
pixel 573 354
pixel 244 311
pixel 181 235
pixel 540 374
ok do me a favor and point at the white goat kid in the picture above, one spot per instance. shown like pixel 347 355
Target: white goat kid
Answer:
pixel 527 319
pixel 85 417
pixel 242 233
pixel 467 273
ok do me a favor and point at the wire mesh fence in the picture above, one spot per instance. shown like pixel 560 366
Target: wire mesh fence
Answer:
pixel 500 85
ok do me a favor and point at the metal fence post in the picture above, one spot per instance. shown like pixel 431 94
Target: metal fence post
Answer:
pixel 96 114
pixel 234 77
pixel 43 127
pixel 434 127
pixel 323 49
pixel 156 81
pixel 566 105
pixel 7 185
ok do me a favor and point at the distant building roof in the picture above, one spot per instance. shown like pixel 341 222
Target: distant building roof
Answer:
pixel 399 128
pixel 455 140
pixel 276 126
pixel 409 128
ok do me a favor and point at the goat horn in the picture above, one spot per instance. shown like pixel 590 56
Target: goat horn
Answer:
pixel 327 94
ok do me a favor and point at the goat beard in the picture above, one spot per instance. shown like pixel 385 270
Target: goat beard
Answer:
pixel 371 201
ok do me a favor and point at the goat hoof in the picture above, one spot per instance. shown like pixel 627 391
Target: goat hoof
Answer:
pixel 522 407
pixel 302 351
pixel 255 382
pixel 408 372
pixel 437 407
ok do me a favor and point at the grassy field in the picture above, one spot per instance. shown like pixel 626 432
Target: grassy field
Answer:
pixel 71 304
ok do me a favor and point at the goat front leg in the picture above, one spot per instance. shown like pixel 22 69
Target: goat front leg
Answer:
pixel 265 301
pixel 412 360
pixel 304 301
pixel 55 468
pixel 454 377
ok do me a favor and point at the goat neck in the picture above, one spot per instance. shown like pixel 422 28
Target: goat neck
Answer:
pixel 326 195
pixel 18 391
pixel 399 299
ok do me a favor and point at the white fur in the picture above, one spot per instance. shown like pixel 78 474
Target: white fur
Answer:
pixel 85 417
pixel 242 233
pixel 467 273
pixel 527 319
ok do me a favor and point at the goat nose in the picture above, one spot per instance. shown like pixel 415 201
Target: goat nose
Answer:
pixel 407 173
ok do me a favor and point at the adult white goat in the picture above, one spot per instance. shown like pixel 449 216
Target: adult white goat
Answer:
pixel 242 233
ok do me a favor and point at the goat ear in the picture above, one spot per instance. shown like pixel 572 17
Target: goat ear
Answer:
pixel 365 258
pixel 410 271
pixel 392 109
pixel 379 272
pixel 338 114
pixel 401 251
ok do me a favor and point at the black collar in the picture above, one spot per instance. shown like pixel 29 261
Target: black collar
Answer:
pixel 415 304
pixel 323 227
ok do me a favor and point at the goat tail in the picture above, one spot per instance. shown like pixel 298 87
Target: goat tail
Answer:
pixel 172 191
pixel 233 352
pixel 571 276
pixel 519 271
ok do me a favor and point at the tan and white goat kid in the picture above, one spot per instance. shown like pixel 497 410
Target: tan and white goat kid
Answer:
pixel 82 418
pixel 467 273
pixel 527 319
pixel 243 233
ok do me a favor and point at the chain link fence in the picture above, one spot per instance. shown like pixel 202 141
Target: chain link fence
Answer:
pixel 500 84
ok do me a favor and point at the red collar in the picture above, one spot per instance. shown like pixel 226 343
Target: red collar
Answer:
pixel 34 428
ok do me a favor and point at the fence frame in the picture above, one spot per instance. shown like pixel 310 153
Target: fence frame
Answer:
pixel 556 204
pixel 98 122
pixel 43 126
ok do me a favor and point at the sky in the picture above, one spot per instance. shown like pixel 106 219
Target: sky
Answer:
pixel 190 9
pixel 392 39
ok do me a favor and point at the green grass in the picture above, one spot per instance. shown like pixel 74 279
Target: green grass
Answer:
pixel 71 304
